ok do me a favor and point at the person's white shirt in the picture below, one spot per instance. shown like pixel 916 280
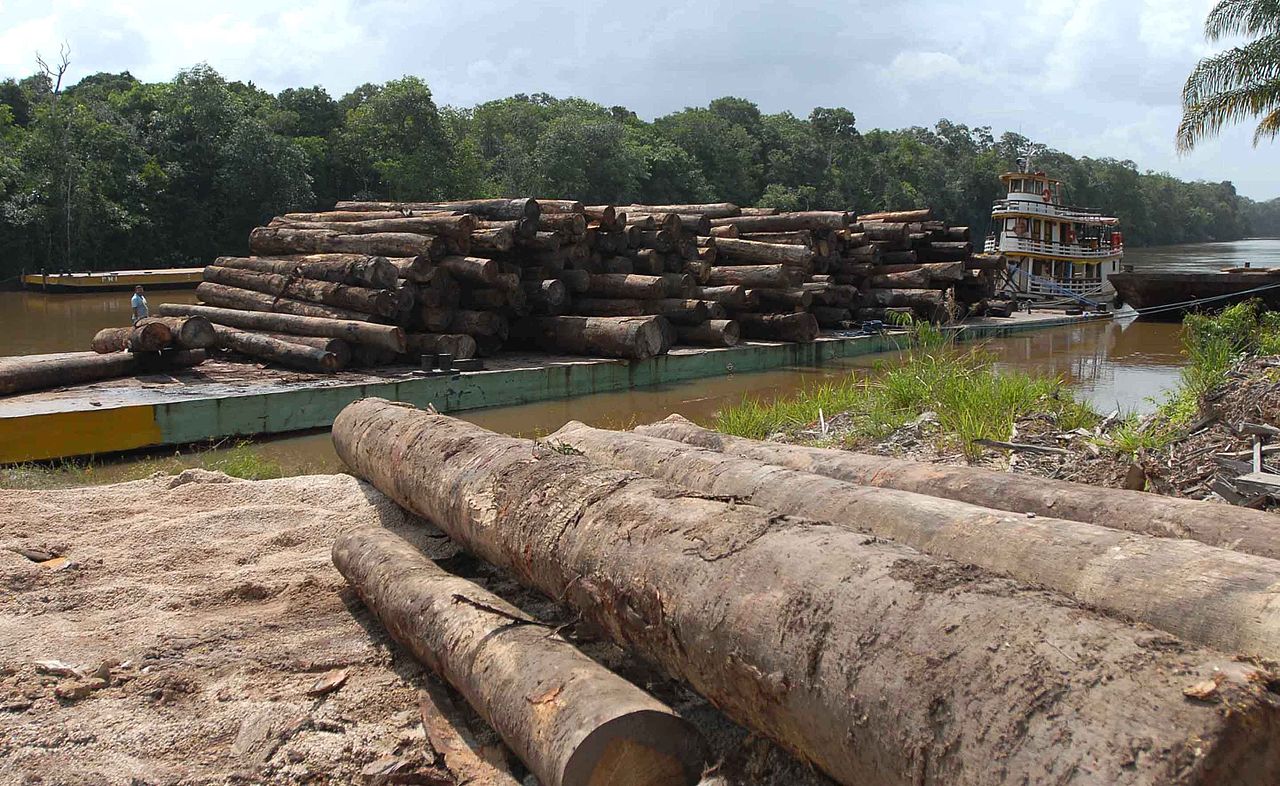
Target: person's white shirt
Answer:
pixel 139 305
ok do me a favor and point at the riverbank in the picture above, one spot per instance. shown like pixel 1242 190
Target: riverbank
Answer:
pixel 944 403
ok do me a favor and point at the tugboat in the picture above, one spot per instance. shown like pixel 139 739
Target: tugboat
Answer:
pixel 1057 254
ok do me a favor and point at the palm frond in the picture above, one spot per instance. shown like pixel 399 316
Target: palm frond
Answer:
pixel 1242 17
pixel 1269 128
pixel 1258 61
pixel 1205 118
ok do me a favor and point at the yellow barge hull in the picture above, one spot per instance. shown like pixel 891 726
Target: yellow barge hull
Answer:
pixel 114 280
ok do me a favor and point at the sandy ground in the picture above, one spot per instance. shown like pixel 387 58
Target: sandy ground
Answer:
pixel 178 634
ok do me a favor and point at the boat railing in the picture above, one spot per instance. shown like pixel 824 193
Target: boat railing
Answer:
pixel 1048 209
pixel 1014 244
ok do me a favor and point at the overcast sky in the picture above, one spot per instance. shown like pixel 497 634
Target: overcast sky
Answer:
pixel 1090 77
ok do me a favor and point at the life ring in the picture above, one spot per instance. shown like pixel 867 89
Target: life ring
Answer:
pixel 1047 196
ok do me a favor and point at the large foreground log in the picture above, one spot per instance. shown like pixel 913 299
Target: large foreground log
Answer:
pixel 1242 529
pixel 634 338
pixel 40 372
pixel 143 337
pixel 385 336
pixel 264 347
pixel 357 270
pixel 872 661
pixel 383 302
pixel 572 721
pixel 1219 598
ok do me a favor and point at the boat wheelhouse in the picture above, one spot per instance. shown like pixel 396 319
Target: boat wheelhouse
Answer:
pixel 1056 253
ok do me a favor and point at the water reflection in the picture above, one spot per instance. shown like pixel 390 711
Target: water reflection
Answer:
pixel 36 322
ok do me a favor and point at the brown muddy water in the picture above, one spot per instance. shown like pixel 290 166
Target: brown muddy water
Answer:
pixel 1113 365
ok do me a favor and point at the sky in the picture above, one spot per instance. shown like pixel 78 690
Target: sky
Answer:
pixel 1089 77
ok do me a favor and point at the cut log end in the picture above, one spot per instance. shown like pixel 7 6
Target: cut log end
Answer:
pixel 644 748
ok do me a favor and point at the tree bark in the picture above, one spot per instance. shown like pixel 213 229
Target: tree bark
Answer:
pixel 634 338
pixel 459 345
pixel 756 276
pixel 494 209
pixel 416 269
pixel 340 348
pixel 1241 529
pixel 885 231
pixel 476 270
pixel 459 226
pixel 627 286
pixel 285 353
pixel 725 231
pixel 763 253
pixel 386 336
pixel 577 281
pixel 795 299
pixel 549 295
pixel 871 661
pixel 453 743
pixel 800 237
pixel 146 336
pixel 831 316
pixel 901 216
pixel 571 224
pixel 572 721
pixel 352 269
pixel 25 373
pixel 246 299
pixel 492 240
pixel 732 296
pixel 479 323
pixel 710 210
pixel 786 222
pixel 561 206
pixel 623 307
pixel 712 333
pixel 1218 598
pixel 186 332
pixel 273 241
pixel 939 275
pixel 383 302
pixel 801 328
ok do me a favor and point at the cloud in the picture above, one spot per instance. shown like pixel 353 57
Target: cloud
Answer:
pixel 1091 77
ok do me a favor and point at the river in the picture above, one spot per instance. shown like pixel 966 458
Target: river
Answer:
pixel 1113 365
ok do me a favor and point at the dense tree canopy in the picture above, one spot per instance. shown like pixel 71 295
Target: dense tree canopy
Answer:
pixel 112 172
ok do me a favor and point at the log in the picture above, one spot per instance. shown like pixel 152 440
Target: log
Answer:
pixel 831 316
pixel 274 241
pixel 492 240
pixel 24 373
pixel 801 328
pixel 353 269
pixel 495 209
pixel 444 224
pixel 550 295
pixel 763 253
pixel 573 224
pixel 756 276
pixel 995 262
pixel 631 307
pixel 627 286
pixel 634 338
pixel 1224 526
pixel 617 265
pixel 540 241
pixel 957 233
pixel 725 231
pixel 885 232
pixel 786 222
pixel 478 323
pixel 459 345
pixel 732 296
pixel 340 348
pixel 794 299
pixel 641 221
pixel 263 347
pixel 680 285
pixel 561 206
pixel 939 275
pixel 759 211
pixel 658 240
pixel 146 336
pixel 186 332
pixel 371 357
pixel 383 302
pixel 923 214
pixel 712 333
pixel 711 210
pixel 913 298
pixel 246 299
pixel 1212 596
pixel 838 646
pixel 344 216
pixel 415 269
pixel 577 281
pixel 453 744
pixel 605 215
pixel 386 336
pixel 571 720
pixel 476 270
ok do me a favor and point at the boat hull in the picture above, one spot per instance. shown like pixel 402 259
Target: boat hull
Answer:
pixel 1214 290
pixel 115 281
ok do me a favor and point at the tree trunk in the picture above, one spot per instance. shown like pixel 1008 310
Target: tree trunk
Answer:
pixel 1211 596
pixel 340 348
pixel 793 299
pixel 492 240
pixel 944 252
pixel 733 296
pixel 635 338
pixel 372 357
pixel 352 269
pixel 939 275
pixel 914 298
pixel 386 336
pixel 756 276
pixel 187 332
pixel 459 345
pixel 786 222
pixel 901 216
pixel 627 286
pixel 711 210
pixel 995 262
pixel 493 209
pixel 680 285
pixel 957 233
pixel 263 347
pixel 383 302
pixel 549 295
pixel 479 323
pixel 571 720
pixel 344 216
pixel 25 373
pixel 457 227
pixel 801 237
pixel 1242 529
pixel 560 206
pixel 871 661
pixel 763 253
pixel 146 336
pixel 274 241
pixel 712 333
pixel 415 269
pixel 621 307
pixel 605 215
pixel 571 224
pixel 577 281
pixel 886 232
pixel 476 270
pixel 725 231
pixel 801 328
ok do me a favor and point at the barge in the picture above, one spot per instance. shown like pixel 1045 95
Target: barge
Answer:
pixel 1167 296
pixel 114 280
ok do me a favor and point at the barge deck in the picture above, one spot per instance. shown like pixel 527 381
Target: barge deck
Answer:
pixel 221 399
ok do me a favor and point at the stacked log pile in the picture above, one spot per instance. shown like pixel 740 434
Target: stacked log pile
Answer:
pixel 471 277
pixel 835 618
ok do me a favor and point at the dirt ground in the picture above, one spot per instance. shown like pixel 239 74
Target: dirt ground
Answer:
pixel 173 631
